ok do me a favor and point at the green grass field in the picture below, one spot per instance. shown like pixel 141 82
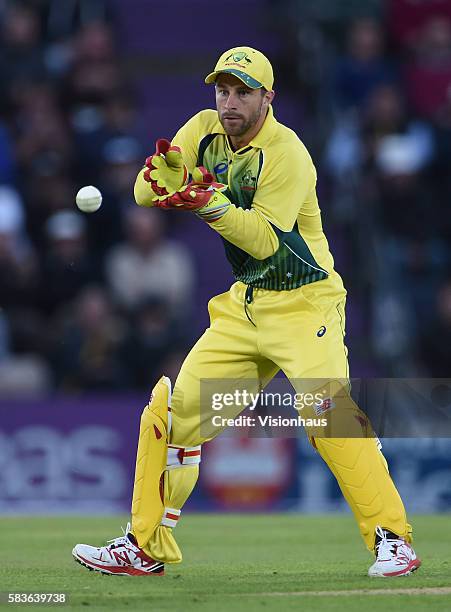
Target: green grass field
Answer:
pixel 262 562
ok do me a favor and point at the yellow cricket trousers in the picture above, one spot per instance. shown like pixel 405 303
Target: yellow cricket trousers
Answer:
pixel 278 330
pixel 300 332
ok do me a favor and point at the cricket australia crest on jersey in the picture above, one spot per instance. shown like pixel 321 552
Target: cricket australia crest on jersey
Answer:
pixel 248 182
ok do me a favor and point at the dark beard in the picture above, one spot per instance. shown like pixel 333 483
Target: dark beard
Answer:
pixel 244 126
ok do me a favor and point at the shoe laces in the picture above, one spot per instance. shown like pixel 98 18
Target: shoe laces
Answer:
pixel 121 540
pixel 386 545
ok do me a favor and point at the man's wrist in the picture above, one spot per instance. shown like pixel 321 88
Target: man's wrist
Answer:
pixel 216 208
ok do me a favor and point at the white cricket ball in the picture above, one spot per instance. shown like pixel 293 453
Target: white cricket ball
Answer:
pixel 89 199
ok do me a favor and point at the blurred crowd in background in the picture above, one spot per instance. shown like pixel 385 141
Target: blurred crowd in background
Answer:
pixel 107 301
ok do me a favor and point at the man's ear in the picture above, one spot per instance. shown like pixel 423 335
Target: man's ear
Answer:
pixel 269 97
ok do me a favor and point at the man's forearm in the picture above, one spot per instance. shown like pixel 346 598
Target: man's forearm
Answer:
pixel 248 230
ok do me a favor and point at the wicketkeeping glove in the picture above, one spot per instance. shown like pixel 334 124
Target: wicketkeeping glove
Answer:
pixel 203 196
pixel 166 171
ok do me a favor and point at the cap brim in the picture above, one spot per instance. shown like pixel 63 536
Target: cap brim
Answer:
pixel 247 80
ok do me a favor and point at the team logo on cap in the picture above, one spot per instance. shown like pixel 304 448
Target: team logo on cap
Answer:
pixel 239 57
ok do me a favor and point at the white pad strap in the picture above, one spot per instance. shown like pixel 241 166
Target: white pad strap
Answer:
pixel 182 455
pixel 170 517
pixel 167 382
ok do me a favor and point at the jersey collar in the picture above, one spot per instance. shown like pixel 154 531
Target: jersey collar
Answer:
pixel 266 132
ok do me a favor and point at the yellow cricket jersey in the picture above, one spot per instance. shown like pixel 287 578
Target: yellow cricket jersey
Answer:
pixel 273 234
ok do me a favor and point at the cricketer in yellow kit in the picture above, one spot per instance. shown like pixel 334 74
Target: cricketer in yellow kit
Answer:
pixel 286 310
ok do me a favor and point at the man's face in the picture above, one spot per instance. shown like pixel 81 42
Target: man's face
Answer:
pixel 239 107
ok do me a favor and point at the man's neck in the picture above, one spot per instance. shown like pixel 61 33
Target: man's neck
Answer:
pixel 238 142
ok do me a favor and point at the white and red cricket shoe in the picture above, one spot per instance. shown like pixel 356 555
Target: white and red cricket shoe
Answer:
pixel 122 556
pixel 394 556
